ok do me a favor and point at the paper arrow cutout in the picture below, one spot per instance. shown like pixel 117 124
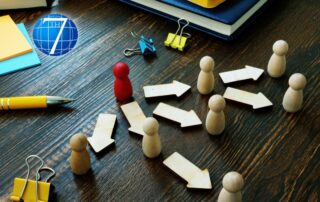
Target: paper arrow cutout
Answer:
pixel 102 133
pixel 256 100
pixel 185 118
pixel 241 74
pixel 174 88
pixel 196 178
pixel 135 117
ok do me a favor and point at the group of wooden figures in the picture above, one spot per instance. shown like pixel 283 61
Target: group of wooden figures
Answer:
pixel 293 98
pixel 215 120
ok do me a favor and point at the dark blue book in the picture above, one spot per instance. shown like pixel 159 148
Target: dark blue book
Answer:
pixel 228 12
pixel 227 21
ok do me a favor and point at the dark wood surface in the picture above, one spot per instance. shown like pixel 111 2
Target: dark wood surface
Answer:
pixel 276 152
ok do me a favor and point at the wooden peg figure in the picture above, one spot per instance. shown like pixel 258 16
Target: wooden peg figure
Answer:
pixel 151 144
pixel 80 159
pixel 277 62
pixel 232 184
pixel 205 82
pixel 122 83
pixel 215 122
pixel 293 98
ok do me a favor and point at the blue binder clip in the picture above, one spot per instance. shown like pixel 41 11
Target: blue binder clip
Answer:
pixel 146 47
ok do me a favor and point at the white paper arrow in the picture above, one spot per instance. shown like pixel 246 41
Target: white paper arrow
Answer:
pixel 241 74
pixel 185 118
pixel 256 100
pixel 135 117
pixel 174 88
pixel 102 133
pixel 196 178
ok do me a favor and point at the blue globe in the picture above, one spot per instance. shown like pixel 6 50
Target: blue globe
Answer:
pixel 55 34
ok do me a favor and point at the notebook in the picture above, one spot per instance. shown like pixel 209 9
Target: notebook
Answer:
pixel 20 62
pixel 12 41
pixel 20 4
pixel 227 13
pixel 227 21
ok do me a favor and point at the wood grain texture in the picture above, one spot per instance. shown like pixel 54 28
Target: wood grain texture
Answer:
pixel 276 152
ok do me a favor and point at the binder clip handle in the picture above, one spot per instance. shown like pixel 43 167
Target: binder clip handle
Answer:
pixel 28 173
pixel 181 30
pixel 45 168
pixel 187 35
pixel 183 27
pixel 134 34
pixel 130 52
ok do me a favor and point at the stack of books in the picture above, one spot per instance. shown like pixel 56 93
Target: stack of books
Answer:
pixel 223 19
pixel 16 49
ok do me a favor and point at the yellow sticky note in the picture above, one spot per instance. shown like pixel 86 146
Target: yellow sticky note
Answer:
pixel 12 41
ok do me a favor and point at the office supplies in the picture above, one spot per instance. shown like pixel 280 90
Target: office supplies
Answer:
pixel 32 102
pixel 21 4
pixel 176 41
pixel 12 41
pixel 102 133
pixel 241 74
pixel 293 98
pixel 135 117
pixel 146 47
pixel 20 62
pixel 80 162
pixel 185 118
pixel 151 143
pixel 256 100
pixel 196 178
pixel 226 21
pixel 205 82
pixel 122 84
pixel 232 185
pixel 207 3
pixel 175 88
pixel 33 190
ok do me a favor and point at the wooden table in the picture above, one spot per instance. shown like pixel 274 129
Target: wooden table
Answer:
pixel 276 152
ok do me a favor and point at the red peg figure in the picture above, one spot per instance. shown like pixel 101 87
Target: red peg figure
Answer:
pixel 122 83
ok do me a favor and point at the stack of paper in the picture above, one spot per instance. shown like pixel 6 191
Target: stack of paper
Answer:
pixel 16 50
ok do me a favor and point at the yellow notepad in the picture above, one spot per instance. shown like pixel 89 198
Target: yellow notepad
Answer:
pixel 12 41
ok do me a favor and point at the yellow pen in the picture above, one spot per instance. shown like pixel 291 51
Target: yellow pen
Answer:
pixel 32 102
